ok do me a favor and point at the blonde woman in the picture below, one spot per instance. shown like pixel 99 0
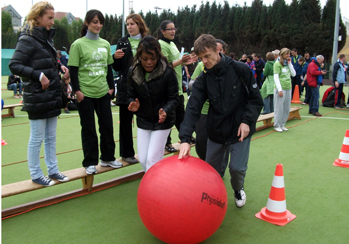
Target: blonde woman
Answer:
pixel 283 70
pixel 35 61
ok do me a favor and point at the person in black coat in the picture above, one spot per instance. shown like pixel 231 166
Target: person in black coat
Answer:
pixel 123 58
pixel 153 96
pixel 35 61
pixel 235 105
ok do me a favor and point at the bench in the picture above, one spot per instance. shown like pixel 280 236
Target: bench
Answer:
pixel 11 110
pixel 74 174
pixel 267 118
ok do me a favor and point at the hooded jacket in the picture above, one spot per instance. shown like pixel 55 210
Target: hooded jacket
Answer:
pixel 35 54
pixel 230 105
pixel 160 91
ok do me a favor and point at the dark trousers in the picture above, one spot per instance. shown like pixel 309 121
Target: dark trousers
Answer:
pixel 338 96
pixel 125 132
pixel 296 81
pixel 180 111
pixel 201 137
pixel 307 93
pixel 87 108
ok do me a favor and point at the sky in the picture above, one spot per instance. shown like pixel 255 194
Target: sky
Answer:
pixel 78 7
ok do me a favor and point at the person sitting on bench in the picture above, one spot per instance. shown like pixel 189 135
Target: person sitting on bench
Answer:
pixel 15 83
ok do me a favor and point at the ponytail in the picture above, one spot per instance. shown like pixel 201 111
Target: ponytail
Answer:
pixel 163 26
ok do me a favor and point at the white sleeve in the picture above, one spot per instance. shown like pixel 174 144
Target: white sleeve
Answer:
pixel 293 72
pixel 277 82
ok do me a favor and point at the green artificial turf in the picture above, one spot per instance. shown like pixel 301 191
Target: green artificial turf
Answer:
pixel 316 191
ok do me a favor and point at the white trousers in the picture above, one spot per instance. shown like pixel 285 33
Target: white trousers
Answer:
pixel 282 106
pixel 151 146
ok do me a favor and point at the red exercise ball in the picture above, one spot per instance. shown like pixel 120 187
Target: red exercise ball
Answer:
pixel 182 201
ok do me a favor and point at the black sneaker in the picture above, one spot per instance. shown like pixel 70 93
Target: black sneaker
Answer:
pixel 130 160
pixel 44 181
pixel 59 176
pixel 170 148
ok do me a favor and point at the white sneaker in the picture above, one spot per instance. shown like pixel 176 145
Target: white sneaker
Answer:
pixel 240 198
pixel 278 129
pixel 90 170
pixel 347 105
pixel 284 128
pixel 112 104
pixel 114 164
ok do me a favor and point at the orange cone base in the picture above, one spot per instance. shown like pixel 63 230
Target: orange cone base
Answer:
pixel 341 163
pixel 275 218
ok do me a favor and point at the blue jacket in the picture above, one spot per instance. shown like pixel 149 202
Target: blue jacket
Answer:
pixel 339 73
pixel 296 66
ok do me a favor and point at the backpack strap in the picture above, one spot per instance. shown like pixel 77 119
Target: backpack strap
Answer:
pixel 241 77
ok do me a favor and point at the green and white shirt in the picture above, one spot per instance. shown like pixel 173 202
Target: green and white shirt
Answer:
pixel 284 73
pixel 92 57
pixel 134 45
pixel 170 51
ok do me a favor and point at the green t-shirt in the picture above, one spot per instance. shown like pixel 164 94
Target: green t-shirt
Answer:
pixel 134 45
pixel 199 68
pixel 172 54
pixel 92 57
pixel 284 75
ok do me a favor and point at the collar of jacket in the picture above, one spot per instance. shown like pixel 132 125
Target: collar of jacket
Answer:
pixel 138 72
pixel 39 33
pixel 166 40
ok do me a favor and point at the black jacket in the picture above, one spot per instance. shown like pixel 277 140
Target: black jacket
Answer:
pixel 35 54
pixel 122 65
pixel 12 79
pixel 229 103
pixel 160 91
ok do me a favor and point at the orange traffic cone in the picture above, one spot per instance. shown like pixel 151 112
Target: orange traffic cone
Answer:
pixel 3 143
pixel 276 212
pixel 295 98
pixel 343 160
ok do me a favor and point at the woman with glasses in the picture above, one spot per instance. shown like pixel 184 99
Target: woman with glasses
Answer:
pixel 166 34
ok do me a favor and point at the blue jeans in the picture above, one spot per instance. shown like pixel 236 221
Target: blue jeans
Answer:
pixel 40 130
pixel 314 99
pixel 268 104
pixel 14 87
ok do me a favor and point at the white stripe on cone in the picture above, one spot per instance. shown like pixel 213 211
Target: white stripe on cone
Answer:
pixel 344 156
pixel 346 141
pixel 276 206
pixel 278 182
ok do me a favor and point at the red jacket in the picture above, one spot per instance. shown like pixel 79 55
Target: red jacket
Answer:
pixel 312 72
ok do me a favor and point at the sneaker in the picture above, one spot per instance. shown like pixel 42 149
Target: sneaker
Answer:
pixel 310 112
pixel 15 96
pixel 240 198
pixel 284 128
pixel 130 160
pixel 192 140
pixel 66 111
pixel 317 114
pixel 59 176
pixel 305 103
pixel 114 164
pixel 112 104
pixel 90 170
pixel 20 95
pixel 347 105
pixel 44 181
pixel 278 129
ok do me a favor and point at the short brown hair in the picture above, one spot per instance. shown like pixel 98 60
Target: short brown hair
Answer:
pixel 270 56
pixel 341 56
pixel 204 41
pixel 301 59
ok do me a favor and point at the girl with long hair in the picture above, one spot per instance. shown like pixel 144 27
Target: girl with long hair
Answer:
pixel 35 60
pixel 90 63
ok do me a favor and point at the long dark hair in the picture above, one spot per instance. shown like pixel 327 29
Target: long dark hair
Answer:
pixel 163 26
pixel 148 44
pixel 88 18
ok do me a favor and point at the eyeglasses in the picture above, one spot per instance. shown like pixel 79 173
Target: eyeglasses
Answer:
pixel 171 29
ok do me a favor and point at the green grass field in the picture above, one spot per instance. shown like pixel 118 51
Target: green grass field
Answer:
pixel 316 191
